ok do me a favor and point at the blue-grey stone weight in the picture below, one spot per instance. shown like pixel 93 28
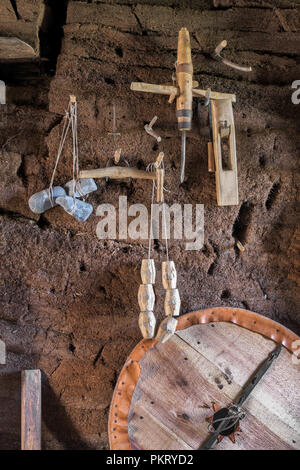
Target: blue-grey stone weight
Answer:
pixel 84 186
pixel 40 202
pixel 79 209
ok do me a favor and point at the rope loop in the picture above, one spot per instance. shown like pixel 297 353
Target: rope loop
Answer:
pixel 234 416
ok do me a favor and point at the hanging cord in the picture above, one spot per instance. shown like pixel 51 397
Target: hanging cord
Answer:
pixel 152 167
pixel 151 228
pixel 61 144
pixel 165 227
pixel 76 180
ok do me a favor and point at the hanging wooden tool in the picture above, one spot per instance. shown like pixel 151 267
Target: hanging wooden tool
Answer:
pixel 224 150
pixel 120 172
pixel 185 91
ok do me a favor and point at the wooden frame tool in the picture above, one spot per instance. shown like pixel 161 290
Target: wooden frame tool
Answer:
pixel 120 172
pixel 184 92
pixel 224 150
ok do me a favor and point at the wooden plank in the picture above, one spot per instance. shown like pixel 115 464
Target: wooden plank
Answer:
pixel 272 402
pixel 155 432
pixel 115 16
pixel 14 48
pixel 170 90
pixel 234 19
pixel 31 410
pixel 117 172
pixel 178 385
pixel 2 352
pixel 225 342
pixel 2 92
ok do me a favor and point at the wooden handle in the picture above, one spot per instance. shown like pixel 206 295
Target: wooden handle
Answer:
pixel 160 175
pixel 184 75
pixel 211 157
pixel 117 172
pixel 151 88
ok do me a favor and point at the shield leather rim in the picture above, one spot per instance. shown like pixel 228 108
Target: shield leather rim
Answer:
pixel 129 375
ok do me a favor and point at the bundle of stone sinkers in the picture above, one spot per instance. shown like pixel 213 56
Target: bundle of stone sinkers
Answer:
pixel 67 196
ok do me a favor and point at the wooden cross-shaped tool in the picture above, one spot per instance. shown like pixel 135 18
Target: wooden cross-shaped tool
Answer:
pixel 120 172
pixel 223 147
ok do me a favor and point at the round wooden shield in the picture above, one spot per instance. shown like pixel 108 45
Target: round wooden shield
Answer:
pixel 166 393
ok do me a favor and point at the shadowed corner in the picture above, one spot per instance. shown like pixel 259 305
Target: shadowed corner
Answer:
pixel 57 421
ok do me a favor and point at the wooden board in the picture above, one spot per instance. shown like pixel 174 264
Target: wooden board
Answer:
pixel 208 363
pixel 2 92
pixel 31 410
pixel 2 352
pixel 15 49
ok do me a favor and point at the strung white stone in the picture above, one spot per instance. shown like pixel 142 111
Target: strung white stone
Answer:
pixel 147 324
pixel 166 329
pixel 79 209
pixel 84 186
pixel 40 202
pixel 169 274
pixel 148 271
pixel 146 297
pixel 172 302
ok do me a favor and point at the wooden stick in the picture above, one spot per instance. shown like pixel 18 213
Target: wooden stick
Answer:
pixel 2 353
pixel 160 173
pixel 173 90
pixel 117 172
pixel 214 95
pixel 151 88
pixel 31 410
pixel 184 76
pixel 211 157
